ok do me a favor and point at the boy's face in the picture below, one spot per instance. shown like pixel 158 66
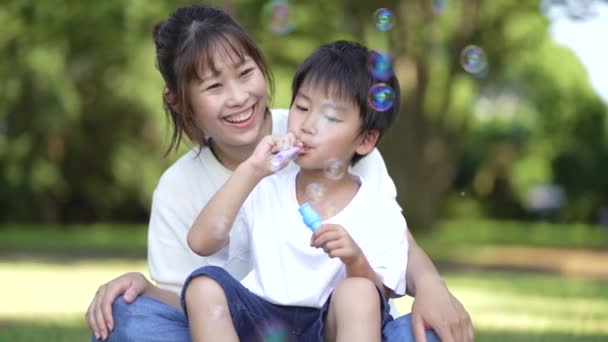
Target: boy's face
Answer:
pixel 328 126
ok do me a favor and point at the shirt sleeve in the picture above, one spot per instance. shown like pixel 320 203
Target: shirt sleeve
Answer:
pixel 373 170
pixel 170 259
pixel 389 248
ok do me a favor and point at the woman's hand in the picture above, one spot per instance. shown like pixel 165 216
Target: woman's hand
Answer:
pixel 265 160
pixel 99 315
pixel 435 307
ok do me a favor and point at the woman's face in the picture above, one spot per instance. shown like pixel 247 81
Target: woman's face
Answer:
pixel 230 106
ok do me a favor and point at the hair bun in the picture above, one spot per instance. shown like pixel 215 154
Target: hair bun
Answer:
pixel 156 29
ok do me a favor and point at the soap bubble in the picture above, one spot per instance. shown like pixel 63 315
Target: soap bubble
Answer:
pixel 383 19
pixel 439 6
pixel 221 227
pixel 219 312
pixel 314 192
pixel 380 65
pixel 473 60
pixel 274 331
pixel 381 97
pixel 334 169
pixel 280 23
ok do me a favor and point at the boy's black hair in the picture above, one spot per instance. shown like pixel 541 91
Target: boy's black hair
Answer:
pixel 342 68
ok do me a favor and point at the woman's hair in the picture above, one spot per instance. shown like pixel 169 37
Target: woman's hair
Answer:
pixel 185 46
pixel 341 69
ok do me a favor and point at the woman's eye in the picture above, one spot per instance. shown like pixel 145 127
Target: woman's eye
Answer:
pixel 301 108
pixel 213 86
pixel 246 72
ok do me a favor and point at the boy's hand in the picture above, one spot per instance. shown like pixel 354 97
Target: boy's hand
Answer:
pixel 336 242
pixel 263 160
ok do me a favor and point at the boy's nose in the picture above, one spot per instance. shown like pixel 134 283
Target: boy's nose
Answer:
pixel 308 126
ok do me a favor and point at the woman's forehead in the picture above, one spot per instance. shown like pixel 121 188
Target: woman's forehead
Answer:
pixel 221 55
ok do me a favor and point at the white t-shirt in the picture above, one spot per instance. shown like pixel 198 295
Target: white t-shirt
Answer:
pixel 185 188
pixel 288 271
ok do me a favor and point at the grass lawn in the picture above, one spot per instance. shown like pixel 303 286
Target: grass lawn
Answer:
pixel 45 298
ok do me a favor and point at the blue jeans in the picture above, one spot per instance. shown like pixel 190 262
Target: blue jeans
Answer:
pixel 251 313
pixel 150 320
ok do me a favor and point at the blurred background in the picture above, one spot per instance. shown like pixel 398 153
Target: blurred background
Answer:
pixel 500 153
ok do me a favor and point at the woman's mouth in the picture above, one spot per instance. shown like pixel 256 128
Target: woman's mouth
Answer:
pixel 241 119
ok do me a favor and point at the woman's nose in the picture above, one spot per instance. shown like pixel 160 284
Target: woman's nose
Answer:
pixel 237 96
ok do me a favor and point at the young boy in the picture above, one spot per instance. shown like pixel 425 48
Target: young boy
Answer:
pixel 335 284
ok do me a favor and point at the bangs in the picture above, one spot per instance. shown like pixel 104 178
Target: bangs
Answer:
pixel 222 44
pixel 200 59
pixel 333 87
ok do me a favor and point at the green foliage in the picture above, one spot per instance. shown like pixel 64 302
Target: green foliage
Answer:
pixel 82 130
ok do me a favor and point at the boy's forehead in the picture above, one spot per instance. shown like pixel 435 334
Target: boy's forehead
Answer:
pixel 326 95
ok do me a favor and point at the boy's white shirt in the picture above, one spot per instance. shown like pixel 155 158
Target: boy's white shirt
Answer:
pixel 185 188
pixel 288 271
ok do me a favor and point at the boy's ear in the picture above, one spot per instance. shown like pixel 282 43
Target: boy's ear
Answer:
pixel 170 99
pixel 368 142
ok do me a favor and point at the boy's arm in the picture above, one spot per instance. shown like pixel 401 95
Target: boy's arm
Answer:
pixel 210 231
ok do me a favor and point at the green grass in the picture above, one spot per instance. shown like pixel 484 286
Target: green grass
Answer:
pixel 489 232
pixel 80 240
pixel 45 298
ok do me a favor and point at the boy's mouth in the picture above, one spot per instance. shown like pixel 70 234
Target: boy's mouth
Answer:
pixel 242 118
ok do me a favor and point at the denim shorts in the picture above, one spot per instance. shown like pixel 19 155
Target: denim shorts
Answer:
pixel 256 319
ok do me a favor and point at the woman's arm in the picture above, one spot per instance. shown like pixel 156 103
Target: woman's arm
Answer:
pixel 434 306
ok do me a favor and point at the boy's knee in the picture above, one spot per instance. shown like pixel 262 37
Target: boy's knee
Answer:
pixel 203 287
pixel 361 289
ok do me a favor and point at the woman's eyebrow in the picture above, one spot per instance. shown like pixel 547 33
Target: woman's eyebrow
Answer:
pixel 218 71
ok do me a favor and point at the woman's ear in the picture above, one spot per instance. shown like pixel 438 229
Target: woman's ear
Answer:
pixel 170 99
pixel 368 142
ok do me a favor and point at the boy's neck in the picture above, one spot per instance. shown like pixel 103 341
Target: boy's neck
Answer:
pixel 337 194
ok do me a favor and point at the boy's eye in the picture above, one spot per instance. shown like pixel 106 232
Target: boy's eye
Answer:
pixel 302 108
pixel 331 118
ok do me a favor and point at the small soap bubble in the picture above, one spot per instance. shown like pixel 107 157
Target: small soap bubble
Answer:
pixel 328 210
pixel 380 65
pixel 221 228
pixel 334 169
pixel 473 60
pixel 314 192
pixel 280 23
pixel 218 312
pixel 274 331
pixel 381 97
pixel 274 165
pixel 463 193
pixel 383 19
pixel 439 6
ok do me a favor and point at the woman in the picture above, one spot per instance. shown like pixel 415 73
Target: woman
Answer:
pixel 220 104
